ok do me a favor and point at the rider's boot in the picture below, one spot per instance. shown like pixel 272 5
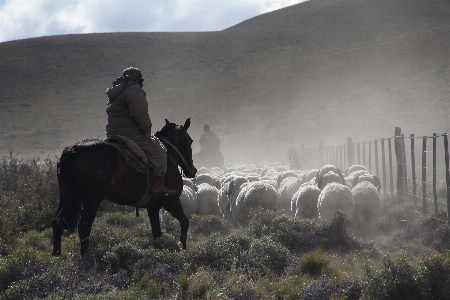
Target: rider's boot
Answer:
pixel 158 187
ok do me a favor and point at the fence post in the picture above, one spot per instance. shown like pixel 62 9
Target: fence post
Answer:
pixel 345 157
pixel 398 156
pixel 359 154
pixel 349 152
pixel 424 175
pixel 413 172
pixel 436 209
pixel 376 159
pixel 370 157
pixel 405 175
pixel 391 173
pixel 383 163
pixel 447 175
pixel 364 154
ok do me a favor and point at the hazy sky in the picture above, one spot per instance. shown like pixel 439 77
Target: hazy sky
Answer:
pixel 20 19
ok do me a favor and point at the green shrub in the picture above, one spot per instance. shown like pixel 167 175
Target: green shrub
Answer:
pixel 206 225
pixel 218 254
pixel 200 283
pixel 28 197
pixel 314 263
pixel 396 280
pixel 268 256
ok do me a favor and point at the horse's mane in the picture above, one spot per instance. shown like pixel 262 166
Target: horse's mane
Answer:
pixel 83 144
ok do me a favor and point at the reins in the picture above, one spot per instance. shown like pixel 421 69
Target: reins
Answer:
pixel 190 168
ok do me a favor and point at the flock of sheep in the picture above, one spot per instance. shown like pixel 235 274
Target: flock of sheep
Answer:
pixel 314 194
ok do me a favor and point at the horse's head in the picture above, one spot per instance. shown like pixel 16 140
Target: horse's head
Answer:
pixel 178 144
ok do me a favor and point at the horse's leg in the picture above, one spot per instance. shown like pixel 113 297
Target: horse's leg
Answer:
pixel 88 214
pixel 153 215
pixel 57 233
pixel 173 206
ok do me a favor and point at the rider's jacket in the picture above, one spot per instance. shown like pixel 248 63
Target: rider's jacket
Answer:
pixel 127 110
pixel 209 140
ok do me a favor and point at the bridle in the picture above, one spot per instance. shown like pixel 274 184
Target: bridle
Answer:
pixel 190 168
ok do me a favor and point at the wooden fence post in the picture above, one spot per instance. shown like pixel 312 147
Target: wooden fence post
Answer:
pixel 424 175
pixel 405 176
pixel 359 154
pixel 364 154
pixel 447 175
pixel 391 173
pixel 383 163
pixel 376 159
pixel 436 209
pixel 349 152
pixel 398 156
pixel 370 157
pixel 413 172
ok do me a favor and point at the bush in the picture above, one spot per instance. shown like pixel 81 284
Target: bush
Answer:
pixel 396 280
pixel 200 283
pixel 206 225
pixel 28 197
pixel 267 256
pixel 314 263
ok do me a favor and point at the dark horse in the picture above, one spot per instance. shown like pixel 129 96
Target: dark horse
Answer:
pixel 91 171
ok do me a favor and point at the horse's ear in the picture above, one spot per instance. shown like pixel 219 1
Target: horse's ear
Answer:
pixel 187 124
pixel 167 122
pixel 157 134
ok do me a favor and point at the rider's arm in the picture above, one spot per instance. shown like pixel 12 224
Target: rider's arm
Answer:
pixel 138 108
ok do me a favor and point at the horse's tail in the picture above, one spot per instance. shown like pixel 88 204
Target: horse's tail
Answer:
pixel 69 212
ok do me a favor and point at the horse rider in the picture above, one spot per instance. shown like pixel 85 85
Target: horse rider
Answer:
pixel 209 140
pixel 127 110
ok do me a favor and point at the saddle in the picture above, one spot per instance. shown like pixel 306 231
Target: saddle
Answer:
pixel 136 158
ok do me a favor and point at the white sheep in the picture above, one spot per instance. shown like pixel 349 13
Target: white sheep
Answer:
pixel 208 199
pixel 328 178
pixel 335 196
pixel 204 178
pixel 189 201
pixel 228 194
pixel 304 202
pixel 367 208
pixel 288 187
pixel 190 183
pixel 354 168
pixel 253 195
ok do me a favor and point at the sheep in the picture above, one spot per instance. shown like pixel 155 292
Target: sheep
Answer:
pixel 354 168
pixel 288 187
pixel 335 196
pixel 253 195
pixel 188 182
pixel 331 174
pixel 202 170
pixel 369 178
pixel 310 175
pixel 285 175
pixel 329 177
pixel 208 199
pixel 228 194
pixel 205 178
pixel 367 208
pixel 189 201
pixel 304 202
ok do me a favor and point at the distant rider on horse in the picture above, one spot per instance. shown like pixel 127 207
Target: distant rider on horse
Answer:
pixel 209 155
pixel 127 110
pixel 209 140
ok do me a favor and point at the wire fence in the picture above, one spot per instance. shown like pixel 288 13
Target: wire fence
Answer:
pixel 412 169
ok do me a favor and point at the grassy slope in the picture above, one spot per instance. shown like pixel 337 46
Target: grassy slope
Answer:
pixel 315 72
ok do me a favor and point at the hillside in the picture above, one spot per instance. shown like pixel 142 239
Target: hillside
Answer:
pixel 319 71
